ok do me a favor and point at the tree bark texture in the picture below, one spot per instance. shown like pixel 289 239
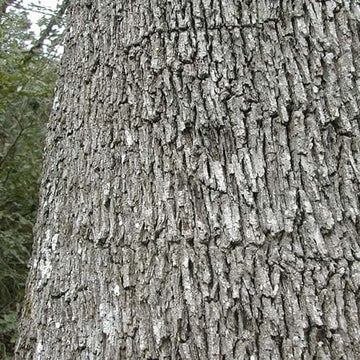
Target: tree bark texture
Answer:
pixel 200 192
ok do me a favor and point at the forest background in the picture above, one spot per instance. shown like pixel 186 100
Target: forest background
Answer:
pixel 30 47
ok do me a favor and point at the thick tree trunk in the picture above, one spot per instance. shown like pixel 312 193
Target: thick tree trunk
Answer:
pixel 200 195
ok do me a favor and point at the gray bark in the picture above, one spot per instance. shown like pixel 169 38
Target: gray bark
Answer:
pixel 200 193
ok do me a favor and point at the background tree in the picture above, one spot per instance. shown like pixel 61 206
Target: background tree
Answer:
pixel 200 194
pixel 26 92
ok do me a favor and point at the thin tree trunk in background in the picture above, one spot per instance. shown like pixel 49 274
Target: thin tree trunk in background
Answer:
pixel 55 20
pixel 200 193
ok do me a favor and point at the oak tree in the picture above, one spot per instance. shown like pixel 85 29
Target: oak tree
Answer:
pixel 200 191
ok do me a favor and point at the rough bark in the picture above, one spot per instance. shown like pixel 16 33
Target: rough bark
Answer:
pixel 200 194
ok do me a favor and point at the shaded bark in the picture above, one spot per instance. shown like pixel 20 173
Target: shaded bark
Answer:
pixel 200 194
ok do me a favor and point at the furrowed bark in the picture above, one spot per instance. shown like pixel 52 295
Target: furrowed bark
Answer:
pixel 200 194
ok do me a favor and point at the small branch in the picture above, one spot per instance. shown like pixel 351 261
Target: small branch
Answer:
pixel 12 146
pixel 16 140
pixel 46 32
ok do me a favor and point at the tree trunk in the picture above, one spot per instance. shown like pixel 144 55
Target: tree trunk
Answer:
pixel 200 192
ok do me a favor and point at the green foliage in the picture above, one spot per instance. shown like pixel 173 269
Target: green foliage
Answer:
pixel 26 91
